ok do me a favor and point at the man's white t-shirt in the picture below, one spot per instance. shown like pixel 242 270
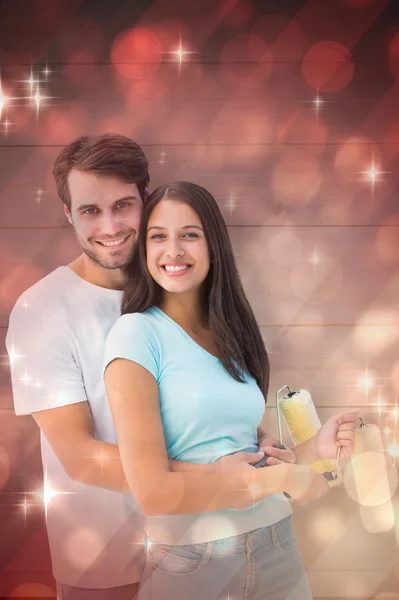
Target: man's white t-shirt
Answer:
pixel 56 339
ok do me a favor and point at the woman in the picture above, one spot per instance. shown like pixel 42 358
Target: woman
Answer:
pixel 187 376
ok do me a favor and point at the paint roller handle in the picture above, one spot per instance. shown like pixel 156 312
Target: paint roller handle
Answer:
pixel 262 462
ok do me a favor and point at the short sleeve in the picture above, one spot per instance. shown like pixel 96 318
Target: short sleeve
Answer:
pixel 44 372
pixel 133 338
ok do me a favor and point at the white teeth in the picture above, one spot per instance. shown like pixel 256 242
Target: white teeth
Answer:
pixel 173 269
pixel 114 243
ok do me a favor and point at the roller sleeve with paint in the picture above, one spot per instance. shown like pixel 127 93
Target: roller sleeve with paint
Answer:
pixel 371 476
pixel 303 423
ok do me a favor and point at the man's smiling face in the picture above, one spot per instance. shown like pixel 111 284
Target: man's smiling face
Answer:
pixel 105 214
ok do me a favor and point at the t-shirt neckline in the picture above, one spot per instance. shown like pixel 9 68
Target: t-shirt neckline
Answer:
pixel 97 289
pixel 163 314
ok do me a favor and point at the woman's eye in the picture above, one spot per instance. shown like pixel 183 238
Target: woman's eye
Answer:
pixel 158 236
pixel 123 204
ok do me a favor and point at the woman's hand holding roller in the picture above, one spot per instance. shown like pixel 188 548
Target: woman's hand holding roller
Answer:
pixel 338 431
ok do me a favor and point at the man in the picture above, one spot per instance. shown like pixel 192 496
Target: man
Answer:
pixel 56 334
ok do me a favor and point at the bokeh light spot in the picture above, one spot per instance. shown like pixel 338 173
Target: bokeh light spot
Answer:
pixel 241 132
pixel 301 126
pixel 371 478
pixel 377 519
pixel 285 37
pixel 32 590
pixel 387 241
pixel 376 330
pixel 354 157
pixel 328 67
pixel 316 285
pixel 83 547
pixel 246 60
pixel 285 248
pixel 296 180
pixel 326 524
pixel 136 53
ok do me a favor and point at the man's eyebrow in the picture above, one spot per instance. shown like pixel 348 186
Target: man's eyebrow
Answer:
pixel 185 227
pixel 94 205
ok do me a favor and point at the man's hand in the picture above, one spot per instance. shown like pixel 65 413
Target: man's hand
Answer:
pixel 268 444
pixel 237 461
pixel 304 484
pixel 338 430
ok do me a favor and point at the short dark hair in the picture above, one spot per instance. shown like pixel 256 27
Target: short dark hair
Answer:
pixel 109 154
pixel 236 333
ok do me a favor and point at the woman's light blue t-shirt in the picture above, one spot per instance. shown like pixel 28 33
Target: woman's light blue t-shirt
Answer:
pixel 206 414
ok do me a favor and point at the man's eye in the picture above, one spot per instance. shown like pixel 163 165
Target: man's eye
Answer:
pixel 123 204
pixel 86 212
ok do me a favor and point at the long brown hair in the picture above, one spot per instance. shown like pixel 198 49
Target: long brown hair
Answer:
pixel 235 331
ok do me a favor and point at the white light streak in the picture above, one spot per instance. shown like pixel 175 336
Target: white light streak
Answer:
pixel 13 355
pixel 367 382
pixel 47 494
pixel 31 82
pixel 373 173
pixel 162 160
pixel 147 543
pixel 26 378
pixel 39 196
pixel 6 124
pixel 315 258
pixel 232 204
pixel 3 99
pixel 318 102
pixel 393 450
pixel 254 489
pixel 37 98
pixel 180 53
pixel 25 507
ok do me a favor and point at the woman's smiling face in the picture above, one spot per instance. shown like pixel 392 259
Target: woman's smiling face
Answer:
pixel 177 251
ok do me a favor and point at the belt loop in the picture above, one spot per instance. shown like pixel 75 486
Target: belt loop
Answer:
pixel 207 555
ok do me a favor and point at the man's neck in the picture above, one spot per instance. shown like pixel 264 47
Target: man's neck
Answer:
pixel 111 279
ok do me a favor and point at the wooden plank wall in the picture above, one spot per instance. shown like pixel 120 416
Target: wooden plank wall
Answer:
pixel 317 243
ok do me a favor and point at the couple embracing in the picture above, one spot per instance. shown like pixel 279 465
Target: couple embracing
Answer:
pixel 153 385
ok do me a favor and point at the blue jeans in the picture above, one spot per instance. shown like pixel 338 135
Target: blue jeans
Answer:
pixel 264 564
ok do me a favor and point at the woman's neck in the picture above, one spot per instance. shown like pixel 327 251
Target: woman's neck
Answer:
pixel 186 311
